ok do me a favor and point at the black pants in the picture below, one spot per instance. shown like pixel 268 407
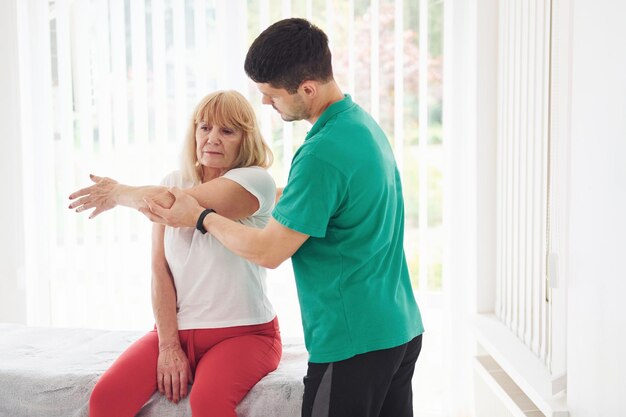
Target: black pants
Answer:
pixel 374 384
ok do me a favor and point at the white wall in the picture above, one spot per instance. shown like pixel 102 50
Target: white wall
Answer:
pixel 470 126
pixel 12 285
pixel 597 284
pixel 596 278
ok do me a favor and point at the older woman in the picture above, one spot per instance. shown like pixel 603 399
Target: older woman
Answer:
pixel 215 326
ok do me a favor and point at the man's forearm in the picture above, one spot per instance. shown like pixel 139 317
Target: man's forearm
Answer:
pixel 245 241
pixel 268 247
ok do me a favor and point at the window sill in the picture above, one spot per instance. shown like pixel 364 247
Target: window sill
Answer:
pixel 521 365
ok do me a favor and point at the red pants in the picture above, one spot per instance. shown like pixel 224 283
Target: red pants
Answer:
pixel 228 362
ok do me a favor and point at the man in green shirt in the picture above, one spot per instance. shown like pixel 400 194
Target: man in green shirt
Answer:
pixel 341 220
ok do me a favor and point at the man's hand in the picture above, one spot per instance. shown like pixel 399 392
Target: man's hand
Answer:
pixel 183 213
pixel 100 196
pixel 173 373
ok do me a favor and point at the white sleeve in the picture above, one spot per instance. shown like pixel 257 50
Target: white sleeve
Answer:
pixel 173 179
pixel 258 182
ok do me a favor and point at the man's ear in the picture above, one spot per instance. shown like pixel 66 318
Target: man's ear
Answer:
pixel 309 88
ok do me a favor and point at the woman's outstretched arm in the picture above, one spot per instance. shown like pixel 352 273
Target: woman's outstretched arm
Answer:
pixel 225 196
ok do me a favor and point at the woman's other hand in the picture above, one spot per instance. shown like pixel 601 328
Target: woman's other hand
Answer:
pixel 100 196
pixel 173 373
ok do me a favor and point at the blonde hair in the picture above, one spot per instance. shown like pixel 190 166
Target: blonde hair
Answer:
pixel 227 109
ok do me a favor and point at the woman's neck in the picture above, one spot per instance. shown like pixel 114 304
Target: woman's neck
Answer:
pixel 209 174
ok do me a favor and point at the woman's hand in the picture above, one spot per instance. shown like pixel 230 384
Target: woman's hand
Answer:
pixel 173 373
pixel 100 196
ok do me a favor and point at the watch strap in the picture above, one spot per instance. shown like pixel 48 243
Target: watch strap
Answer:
pixel 200 222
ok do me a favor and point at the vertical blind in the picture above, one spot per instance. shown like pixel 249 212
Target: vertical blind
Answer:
pixel 124 77
pixel 522 299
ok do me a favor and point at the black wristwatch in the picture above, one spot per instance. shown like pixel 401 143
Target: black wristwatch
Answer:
pixel 199 223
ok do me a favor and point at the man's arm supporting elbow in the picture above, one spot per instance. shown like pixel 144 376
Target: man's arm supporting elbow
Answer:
pixel 268 247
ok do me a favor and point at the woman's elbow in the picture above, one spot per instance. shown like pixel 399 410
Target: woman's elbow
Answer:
pixel 269 262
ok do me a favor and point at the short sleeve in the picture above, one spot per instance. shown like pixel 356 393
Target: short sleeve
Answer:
pixel 258 182
pixel 173 179
pixel 312 196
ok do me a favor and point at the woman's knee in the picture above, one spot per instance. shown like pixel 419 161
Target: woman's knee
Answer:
pixel 119 394
pixel 102 397
pixel 209 404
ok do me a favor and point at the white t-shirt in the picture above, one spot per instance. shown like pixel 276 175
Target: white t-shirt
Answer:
pixel 214 287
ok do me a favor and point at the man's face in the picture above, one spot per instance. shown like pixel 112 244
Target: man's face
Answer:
pixel 291 107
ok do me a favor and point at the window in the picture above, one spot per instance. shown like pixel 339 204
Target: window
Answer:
pixel 525 329
pixel 125 75
pixel 120 80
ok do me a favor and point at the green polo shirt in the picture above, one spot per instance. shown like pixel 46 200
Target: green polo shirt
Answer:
pixel 351 275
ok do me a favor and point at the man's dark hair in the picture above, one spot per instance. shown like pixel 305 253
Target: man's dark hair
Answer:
pixel 289 52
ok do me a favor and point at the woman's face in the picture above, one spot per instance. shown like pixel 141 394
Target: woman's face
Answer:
pixel 217 147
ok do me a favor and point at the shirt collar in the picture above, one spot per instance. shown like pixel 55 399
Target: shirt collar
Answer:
pixel 329 113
